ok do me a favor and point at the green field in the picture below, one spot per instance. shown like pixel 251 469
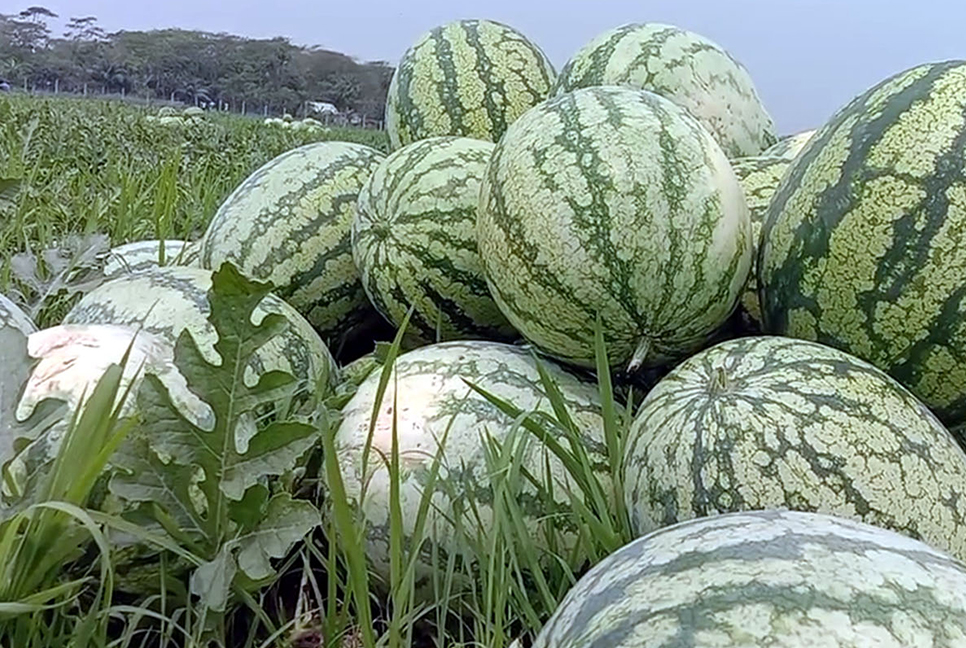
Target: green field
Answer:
pixel 85 166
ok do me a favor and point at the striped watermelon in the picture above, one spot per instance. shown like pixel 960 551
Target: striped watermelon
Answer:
pixel 685 67
pixel 767 578
pixel 141 255
pixel 790 147
pixel 469 78
pixel 414 241
pixel 613 201
pixel 170 299
pixel 863 245
pixel 12 315
pixel 768 422
pixel 430 385
pixel 289 223
pixel 759 177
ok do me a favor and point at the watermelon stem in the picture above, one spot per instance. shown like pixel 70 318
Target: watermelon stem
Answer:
pixel 640 355
pixel 719 380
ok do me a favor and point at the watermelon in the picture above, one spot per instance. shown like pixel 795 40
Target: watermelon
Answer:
pixel 766 422
pixel 469 78
pixel 430 386
pixel 289 223
pixel 616 202
pixel 862 247
pixel 789 147
pixel 170 299
pixel 414 242
pixel 766 578
pixel 12 315
pixel 759 177
pixel 70 359
pixel 139 255
pixel 685 67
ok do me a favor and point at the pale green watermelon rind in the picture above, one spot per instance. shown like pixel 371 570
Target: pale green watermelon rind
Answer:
pixel 789 147
pixel 759 177
pixel 760 578
pixel 562 234
pixel 12 315
pixel 140 255
pixel 289 223
pixel 414 242
pixel 862 247
pixel 437 401
pixel 687 68
pixel 766 422
pixel 468 78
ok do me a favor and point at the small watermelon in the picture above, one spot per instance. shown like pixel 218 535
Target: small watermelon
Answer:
pixel 468 78
pixel 170 299
pixel 864 243
pixel 768 422
pixel 766 578
pixel 790 146
pixel 685 67
pixel 433 401
pixel 759 177
pixel 414 242
pixel 616 202
pixel 289 223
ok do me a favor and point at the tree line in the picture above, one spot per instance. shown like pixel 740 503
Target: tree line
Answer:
pixel 194 67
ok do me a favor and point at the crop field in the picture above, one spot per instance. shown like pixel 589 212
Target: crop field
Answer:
pixel 74 166
pixel 562 358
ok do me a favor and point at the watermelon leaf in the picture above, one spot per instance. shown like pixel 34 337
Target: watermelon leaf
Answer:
pixel 216 482
pixel 212 581
pixel 286 521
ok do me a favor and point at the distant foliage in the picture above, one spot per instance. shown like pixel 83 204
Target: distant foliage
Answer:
pixel 190 66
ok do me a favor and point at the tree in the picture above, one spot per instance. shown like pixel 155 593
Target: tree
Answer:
pixel 85 29
pixel 190 66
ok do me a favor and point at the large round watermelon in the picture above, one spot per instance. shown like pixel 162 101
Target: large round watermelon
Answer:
pixel 289 223
pixel 767 578
pixel 759 177
pixel 864 245
pixel 12 315
pixel 414 241
pixel 170 299
pixel 469 78
pixel 433 402
pixel 616 202
pixel 685 67
pixel 769 422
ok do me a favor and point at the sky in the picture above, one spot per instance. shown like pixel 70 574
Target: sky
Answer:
pixel 806 57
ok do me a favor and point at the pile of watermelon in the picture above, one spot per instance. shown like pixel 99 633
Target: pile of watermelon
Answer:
pixel 792 308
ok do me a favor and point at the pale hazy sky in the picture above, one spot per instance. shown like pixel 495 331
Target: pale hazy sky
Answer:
pixel 807 57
